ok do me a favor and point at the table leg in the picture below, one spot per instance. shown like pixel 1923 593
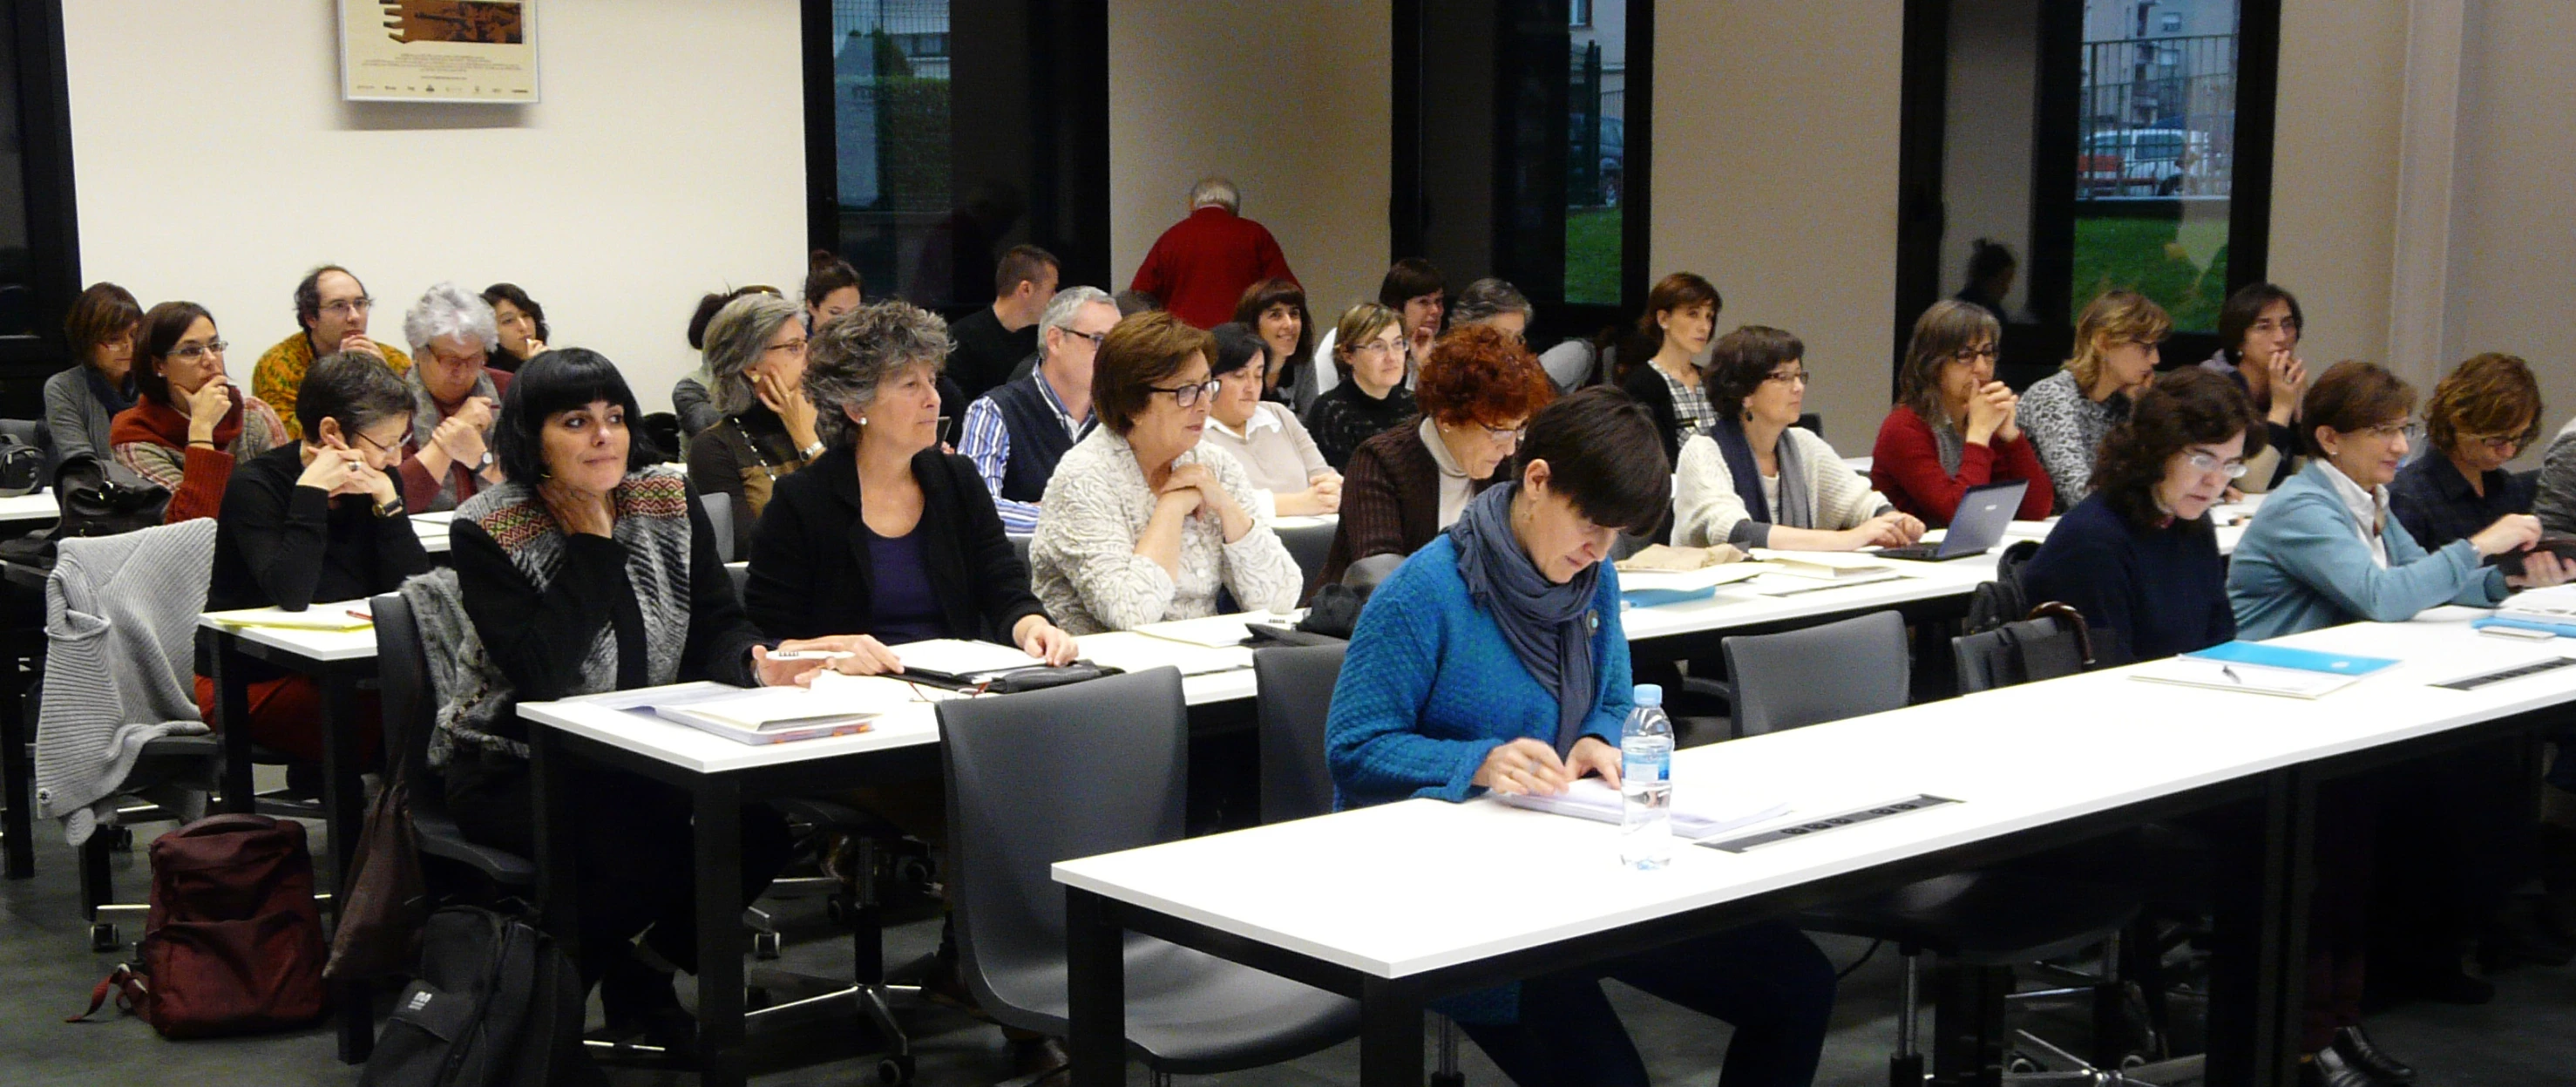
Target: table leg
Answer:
pixel 1390 1034
pixel 19 833
pixel 550 798
pixel 2258 971
pixel 720 931
pixel 343 794
pixel 232 723
pixel 1095 990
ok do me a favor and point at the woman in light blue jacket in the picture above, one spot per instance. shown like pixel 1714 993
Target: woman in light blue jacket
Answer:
pixel 2325 550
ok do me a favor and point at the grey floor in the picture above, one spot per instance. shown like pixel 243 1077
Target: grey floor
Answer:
pixel 2528 1036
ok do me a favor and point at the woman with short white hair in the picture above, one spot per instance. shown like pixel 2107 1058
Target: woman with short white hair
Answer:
pixel 448 456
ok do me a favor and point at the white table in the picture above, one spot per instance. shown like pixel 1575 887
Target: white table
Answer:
pixel 1410 901
pixel 432 528
pixel 38 505
pixel 339 661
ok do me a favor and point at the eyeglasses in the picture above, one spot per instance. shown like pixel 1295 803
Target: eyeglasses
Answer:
pixel 1187 395
pixel 2495 444
pixel 792 347
pixel 380 446
pixel 1380 346
pixel 1507 437
pixel 1095 339
pixel 1792 377
pixel 194 351
pixel 2286 324
pixel 1972 354
pixel 349 307
pixel 2402 429
pixel 2205 463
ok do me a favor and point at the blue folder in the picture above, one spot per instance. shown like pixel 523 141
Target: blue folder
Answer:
pixel 2281 656
pixel 2563 630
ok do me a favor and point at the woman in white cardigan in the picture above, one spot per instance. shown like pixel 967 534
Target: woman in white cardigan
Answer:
pixel 1756 479
pixel 1140 522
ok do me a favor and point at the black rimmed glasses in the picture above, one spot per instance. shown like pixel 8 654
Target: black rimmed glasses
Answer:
pixel 1188 395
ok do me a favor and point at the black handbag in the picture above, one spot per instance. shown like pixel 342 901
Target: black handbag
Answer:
pixel 104 498
pixel 22 467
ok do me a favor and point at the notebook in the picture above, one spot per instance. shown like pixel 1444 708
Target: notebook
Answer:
pixel 2246 678
pixel 2267 655
pixel 836 705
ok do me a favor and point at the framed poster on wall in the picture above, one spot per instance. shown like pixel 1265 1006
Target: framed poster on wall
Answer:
pixel 482 51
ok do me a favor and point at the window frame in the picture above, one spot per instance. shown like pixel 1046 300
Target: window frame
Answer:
pixel 53 212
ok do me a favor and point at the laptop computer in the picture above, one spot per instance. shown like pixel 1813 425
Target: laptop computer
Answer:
pixel 1985 513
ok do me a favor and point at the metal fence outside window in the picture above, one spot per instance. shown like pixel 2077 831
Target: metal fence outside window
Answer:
pixel 2159 118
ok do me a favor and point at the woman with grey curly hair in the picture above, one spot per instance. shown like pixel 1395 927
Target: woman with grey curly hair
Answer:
pixel 455 396
pixel 887 538
pixel 765 427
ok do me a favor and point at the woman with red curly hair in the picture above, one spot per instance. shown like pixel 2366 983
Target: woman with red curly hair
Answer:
pixel 1478 386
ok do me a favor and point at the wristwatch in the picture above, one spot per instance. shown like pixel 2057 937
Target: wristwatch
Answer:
pixel 814 450
pixel 391 507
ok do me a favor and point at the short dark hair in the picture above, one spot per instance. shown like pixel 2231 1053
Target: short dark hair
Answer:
pixel 1740 361
pixel 308 293
pixel 560 379
pixel 498 293
pixel 2245 307
pixel 1988 259
pixel 1131 302
pixel 1680 290
pixel 713 301
pixel 162 328
pixel 2184 408
pixel 1605 456
pixel 2351 396
pixel 1237 345
pixel 101 313
pixel 826 272
pixel 1259 297
pixel 353 387
pixel 1022 264
pixel 1142 352
pixel 1409 279
pixel 2485 396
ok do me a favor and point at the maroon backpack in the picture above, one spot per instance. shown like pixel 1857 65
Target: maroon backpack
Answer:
pixel 233 944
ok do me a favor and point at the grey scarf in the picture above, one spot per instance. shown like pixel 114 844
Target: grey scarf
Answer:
pixel 1548 626
pixel 426 415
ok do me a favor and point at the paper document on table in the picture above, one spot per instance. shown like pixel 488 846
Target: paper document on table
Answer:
pixel 339 617
pixel 2555 605
pixel 1706 577
pixel 1214 631
pixel 442 518
pixel 1779 583
pixel 2248 678
pixel 836 705
pixel 1697 813
pixel 1828 565
pixel 960 657
pixel 1129 651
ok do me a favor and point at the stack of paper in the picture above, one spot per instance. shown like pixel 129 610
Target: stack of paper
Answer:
pixel 960 660
pixel 2555 606
pixel 2248 678
pixel 1214 631
pixel 1131 651
pixel 1697 813
pixel 1850 567
pixel 836 705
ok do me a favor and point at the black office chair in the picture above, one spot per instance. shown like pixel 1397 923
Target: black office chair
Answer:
pixel 1295 700
pixel 410 711
pixel 1310 545
pixel 2051 643
pixel 1020 547
pixel 1982 924
pixel 720 513
pixel 1116 750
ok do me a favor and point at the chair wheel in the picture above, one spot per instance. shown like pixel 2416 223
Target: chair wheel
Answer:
pixel 836 909
pixel 912 871
pixel 103 937
pixel 764 946
pixel 894 1071
pixel 2020 1065
pixel 2130 1062
pixel 122 840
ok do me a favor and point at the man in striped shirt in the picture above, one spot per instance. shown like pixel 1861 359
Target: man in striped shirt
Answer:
pixel 1016 433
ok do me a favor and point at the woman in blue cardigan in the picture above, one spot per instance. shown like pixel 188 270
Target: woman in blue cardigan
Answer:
pixel 1493 660
pixel 2324 550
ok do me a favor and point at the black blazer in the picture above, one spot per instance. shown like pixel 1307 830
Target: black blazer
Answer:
pixel 810 574
pixel 1646 385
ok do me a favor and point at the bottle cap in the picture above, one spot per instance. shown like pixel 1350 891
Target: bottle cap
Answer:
pixel 1650 694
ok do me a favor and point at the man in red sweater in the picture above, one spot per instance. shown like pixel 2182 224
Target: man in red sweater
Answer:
pixel 1200 267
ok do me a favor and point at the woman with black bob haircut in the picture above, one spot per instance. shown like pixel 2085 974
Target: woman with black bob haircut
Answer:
pixel 589 571
pixel 1494 660
pixel 2138 556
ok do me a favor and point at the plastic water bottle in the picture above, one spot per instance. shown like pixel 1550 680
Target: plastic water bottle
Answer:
pixel 1646 782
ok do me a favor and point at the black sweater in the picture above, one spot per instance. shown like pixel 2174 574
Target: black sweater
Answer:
pixel 1344 417
pixel 810 574
pixel 2146 593
pixel 280 545
pixel 539 640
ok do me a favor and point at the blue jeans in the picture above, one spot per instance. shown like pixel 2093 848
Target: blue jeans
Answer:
pixel 1768 980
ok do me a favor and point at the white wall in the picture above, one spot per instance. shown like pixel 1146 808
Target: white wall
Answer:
pixel 1291 104
pixel 1775 177
pixel 217 163
pixel 2334 181
pixel 1985 157
pixel 2513 226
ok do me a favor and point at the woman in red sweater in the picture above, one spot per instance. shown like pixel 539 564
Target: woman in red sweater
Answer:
pixel 1953 426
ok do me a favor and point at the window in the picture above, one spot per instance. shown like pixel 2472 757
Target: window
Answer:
pixel 1521 139
pixel 39 254
pixel 2151 210
pixel 2173 23
pixel 940 134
